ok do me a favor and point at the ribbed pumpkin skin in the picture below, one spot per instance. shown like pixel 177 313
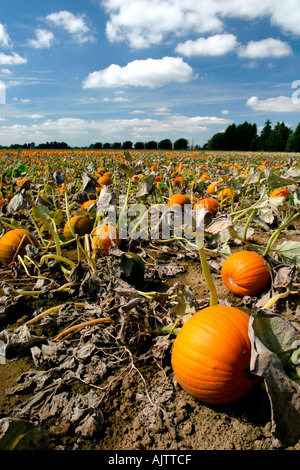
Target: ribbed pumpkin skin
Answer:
pixel 81 225
pixel 245 273
pixel 211 354
pixel 10 242
pixel 104 238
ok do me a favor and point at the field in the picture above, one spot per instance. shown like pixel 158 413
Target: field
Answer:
pixel 96 291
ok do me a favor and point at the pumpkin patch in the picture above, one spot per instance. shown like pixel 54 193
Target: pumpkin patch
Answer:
pixel 160 287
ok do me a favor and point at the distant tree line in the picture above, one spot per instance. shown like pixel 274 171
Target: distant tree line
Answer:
pixel 242 137
pixel 165 144
pixel 47 145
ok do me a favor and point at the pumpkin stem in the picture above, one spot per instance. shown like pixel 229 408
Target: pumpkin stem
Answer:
pixel 47 224
pixel 275 298
pixel 207 274
pixel 125 204
pixel 285 223
pixel 235 235
pixel 51 310
pixel 68 215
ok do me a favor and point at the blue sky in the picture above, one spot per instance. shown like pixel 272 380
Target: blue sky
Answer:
pixel 140 70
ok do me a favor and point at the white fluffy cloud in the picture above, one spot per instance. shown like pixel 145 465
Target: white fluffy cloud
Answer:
pixel 221 44
pixel 76 130
pixel 216 45
pixel 4 38
pixel 43 39
pixel 74 24
pixel 269 47
pixel 146 22
pixel 13 59
pixel 279 104
pixel 117 99
pixel 150 73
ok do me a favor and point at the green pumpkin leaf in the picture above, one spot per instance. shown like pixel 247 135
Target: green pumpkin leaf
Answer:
pixel 289 252
pixel 273 340
pixel 276 181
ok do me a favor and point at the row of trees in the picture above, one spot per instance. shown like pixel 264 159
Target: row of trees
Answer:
pixel 279 138
pixel 47 145
pixel 165 144
pixel 242 137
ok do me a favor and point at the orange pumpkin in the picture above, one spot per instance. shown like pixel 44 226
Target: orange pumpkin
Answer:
pixel 204 176
pixel 211 355
pixel 14 242
pixel 226 195
pixel 209 204
pixel 211 188
pixel 178 181
pixel 81 224
pixel 86 204
pixel 104 238
pixel 104 181
pixel 245 273
pixel 21 181
pixel 280 192
pixel 178 201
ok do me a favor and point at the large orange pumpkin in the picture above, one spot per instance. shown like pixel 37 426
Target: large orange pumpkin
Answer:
pixel 245 273
pixel 178 201
pixel 81 224
pixel 211 355
pixel 104 238
pixel 14 241
pixel 209 204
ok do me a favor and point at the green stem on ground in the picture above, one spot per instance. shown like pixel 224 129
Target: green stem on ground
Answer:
pixel 48 225
pixel 125 204
pixel 253 213
pixel 59 258
pixel 285 223
pixel 206 272
pixel 235 235
pixel 68 215
pixel 240 213
pixel 52 310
